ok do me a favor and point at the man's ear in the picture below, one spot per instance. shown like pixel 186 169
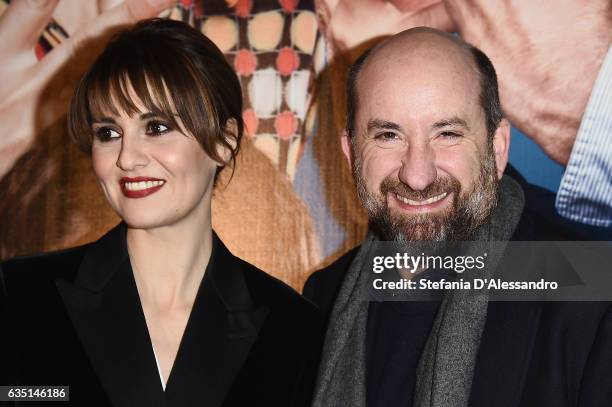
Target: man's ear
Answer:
pixel 346 141
pixel 501 146
pixel 224 151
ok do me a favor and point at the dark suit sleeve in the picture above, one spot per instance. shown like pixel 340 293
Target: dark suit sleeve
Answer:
pixel 310 363
pixel 596 387
pixel 310 287
pixel 4 332
pixel 6 363
pixel 321 288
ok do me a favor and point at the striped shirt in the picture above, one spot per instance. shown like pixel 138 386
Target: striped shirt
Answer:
pixel 585 193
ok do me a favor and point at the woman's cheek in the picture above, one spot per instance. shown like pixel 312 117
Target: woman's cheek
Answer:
pixel 100 163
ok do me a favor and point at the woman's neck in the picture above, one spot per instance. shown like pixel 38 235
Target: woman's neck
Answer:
pixel 169 261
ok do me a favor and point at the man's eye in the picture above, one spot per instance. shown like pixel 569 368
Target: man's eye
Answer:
pixel 386 137
pixel 105 134
pixel 450 135
pixel 157 128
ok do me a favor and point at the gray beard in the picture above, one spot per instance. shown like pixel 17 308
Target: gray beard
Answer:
pixel 469 210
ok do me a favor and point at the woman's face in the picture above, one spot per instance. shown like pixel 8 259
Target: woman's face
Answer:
pixel 152 174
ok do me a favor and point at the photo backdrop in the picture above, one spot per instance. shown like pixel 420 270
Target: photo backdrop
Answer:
pixel 290 207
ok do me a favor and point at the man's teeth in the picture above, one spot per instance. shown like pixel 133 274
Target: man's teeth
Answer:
pixel 420 203
pixel 138 186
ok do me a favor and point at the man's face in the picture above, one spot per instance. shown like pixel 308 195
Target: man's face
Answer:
pixel 421 158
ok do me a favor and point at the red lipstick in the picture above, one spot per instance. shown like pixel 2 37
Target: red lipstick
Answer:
pixel 140 190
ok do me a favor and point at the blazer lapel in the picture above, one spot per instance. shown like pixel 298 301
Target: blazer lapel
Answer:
pixel 221 330
pixel 105 310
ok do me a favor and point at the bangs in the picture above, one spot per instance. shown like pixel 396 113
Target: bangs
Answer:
pixel 122 92
pixel 127 76
pixel 171 70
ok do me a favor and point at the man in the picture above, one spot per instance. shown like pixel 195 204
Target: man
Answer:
pixel 428 145
pixel 569 109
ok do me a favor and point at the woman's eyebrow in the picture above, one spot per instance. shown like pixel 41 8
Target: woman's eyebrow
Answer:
pixel 144 116
pixel 104 120
pixel 148 115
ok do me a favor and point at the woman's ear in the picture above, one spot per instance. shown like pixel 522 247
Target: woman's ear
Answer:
pixel 224 151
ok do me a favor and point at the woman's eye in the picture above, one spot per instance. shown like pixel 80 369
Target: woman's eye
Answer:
pixel 105 134
pixel 157 128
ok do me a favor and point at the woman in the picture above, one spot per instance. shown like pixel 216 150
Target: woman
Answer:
pixel 157 312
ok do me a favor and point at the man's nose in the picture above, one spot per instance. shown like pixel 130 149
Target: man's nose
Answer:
pixel 132 154
pixel 418 169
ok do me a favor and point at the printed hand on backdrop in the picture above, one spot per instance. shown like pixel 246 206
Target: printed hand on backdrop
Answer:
pixel 546 53
pixel 26 106
pixel 346 24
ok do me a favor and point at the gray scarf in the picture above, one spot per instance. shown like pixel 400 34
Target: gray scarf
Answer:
pixel 446 367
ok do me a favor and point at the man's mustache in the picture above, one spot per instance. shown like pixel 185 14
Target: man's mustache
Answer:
pixel 439 186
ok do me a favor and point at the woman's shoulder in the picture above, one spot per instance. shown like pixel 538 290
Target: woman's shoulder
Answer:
pixel 33 269
pixel 268 290
pixel 236 279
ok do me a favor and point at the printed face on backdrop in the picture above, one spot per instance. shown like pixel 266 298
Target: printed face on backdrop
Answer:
pixel 421 158
pixel 153 175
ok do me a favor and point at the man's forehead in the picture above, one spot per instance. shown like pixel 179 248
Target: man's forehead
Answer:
pixel 420 53
pixel 423 73
pixel 426 94
pixel 422 41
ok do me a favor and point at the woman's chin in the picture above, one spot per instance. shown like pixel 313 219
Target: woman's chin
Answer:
pixel 144 221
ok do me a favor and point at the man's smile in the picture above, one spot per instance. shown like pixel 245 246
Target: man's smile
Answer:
pixel 430 204
pixel 423 202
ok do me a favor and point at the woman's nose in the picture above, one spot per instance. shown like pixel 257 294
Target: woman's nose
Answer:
pixel 132 154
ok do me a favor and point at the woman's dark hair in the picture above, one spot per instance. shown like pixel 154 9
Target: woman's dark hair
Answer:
pixel 175 71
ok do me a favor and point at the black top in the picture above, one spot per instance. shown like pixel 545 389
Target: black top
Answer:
pixel 395 338
pixel 74 318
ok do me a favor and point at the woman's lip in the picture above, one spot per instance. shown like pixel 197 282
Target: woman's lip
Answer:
pixel 140 193
pixel 139 187
pixel 138 179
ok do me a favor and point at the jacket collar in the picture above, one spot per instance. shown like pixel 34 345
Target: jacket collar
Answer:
pixel 105 257
pixel 107 315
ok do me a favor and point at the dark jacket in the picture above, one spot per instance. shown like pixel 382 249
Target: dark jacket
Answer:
pixel 531 353
pixel 74 318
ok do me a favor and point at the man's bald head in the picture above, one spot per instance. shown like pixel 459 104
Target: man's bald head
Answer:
pixel 428 44
pixel 418 40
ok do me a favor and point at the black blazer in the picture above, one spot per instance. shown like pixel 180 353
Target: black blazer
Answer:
pixel 531 353
pixel 74 318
